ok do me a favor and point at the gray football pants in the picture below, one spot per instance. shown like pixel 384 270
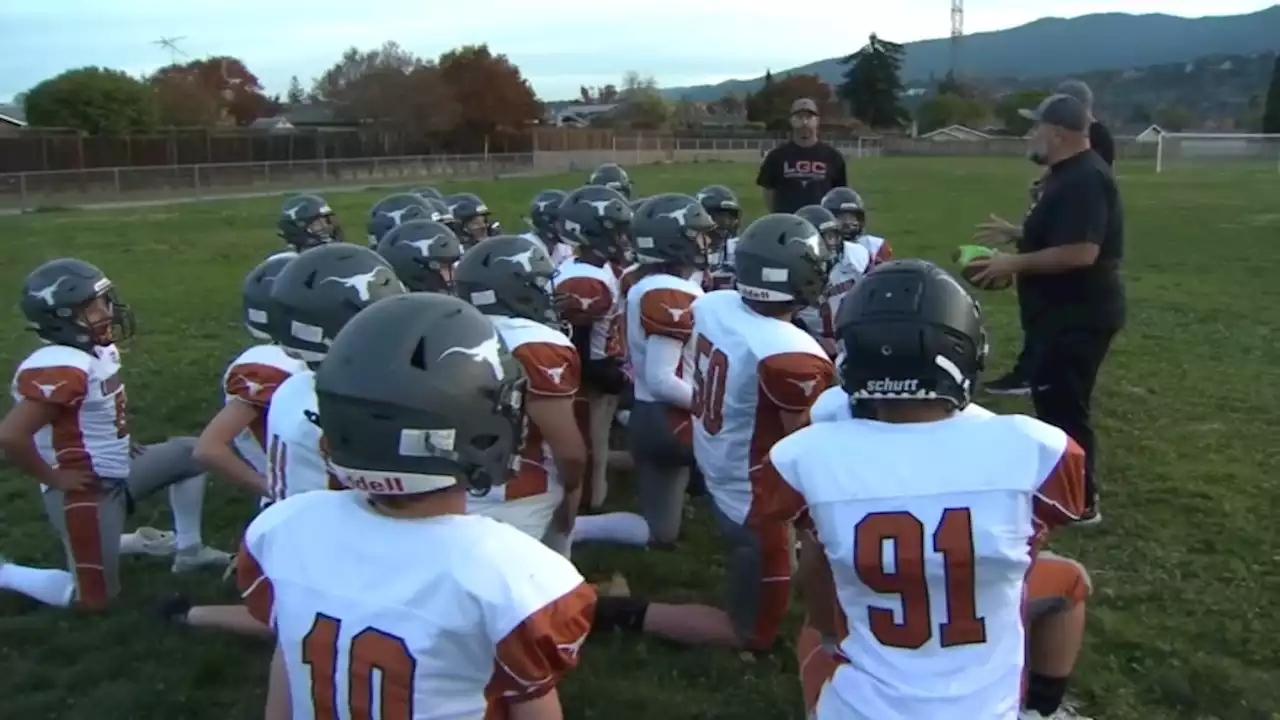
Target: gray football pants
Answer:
pixel 662 466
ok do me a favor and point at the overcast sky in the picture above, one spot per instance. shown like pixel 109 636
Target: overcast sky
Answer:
pixel 558 45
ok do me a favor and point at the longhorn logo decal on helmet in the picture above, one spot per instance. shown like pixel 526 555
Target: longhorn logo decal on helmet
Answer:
pixel 486 352
pixel 424 246
pixel 46 293
pixel 361 283
pixel 524 259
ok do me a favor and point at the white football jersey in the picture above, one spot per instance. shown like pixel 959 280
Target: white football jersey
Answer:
pixel 929 530
pixel 253 378
pixel 594 295
pixel 295 463
pixel 91 430
pixel 748 369
pixel 834 405
pixel 529 499
pixel 658 304
pixel 854 262
pixel 424 619
pixel 877 247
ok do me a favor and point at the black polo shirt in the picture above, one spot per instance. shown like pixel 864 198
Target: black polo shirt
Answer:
pixel 1102 142
pixel 1079 202
pixel 799 175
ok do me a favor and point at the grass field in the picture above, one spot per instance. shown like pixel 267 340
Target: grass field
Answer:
pixel 1186 615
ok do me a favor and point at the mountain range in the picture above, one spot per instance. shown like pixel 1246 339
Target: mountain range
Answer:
pixel 1054 47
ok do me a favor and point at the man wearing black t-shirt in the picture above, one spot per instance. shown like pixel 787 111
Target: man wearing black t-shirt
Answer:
pixel 1070 291
pixel 802 170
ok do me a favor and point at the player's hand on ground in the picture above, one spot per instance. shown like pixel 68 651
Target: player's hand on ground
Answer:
pixel 71 480
pixel 996 231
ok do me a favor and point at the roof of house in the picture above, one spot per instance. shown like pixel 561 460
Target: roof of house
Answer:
pixel 13 114
pixel 958 131
pixel 271 123
pixel 312 113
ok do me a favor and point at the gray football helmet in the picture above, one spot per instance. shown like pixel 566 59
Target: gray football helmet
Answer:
pixel 419 394
pixel 307 221
pixel 850 212
pixel 597 219
pixel 426 192
pixel 422 253
pixel 828 228
pixel 256 295
pixel 507 275
pixel 780 258
pixel 722 205
pixel 55 297
pixel 612 176
pixel 672 228
pixel 320 290
pixel 544 214
pixel 392 211
pixel 473 217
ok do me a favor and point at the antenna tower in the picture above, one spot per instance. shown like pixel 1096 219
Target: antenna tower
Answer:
pixel 957 32
pixel 171 44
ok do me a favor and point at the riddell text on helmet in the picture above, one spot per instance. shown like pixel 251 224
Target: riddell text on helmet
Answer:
pixel 888 385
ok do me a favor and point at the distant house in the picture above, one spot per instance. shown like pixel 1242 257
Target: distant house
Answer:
pixel 12 119
pixel 955 133
pixel 1150 135
pixel 277 124
pixel 316 115
pixel 576 114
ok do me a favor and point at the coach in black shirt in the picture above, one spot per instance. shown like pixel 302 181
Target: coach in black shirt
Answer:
pixel 802 170
pixel 1099 136
pixel 1070 290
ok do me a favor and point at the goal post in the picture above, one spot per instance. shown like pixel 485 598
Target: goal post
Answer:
pixel 1226 151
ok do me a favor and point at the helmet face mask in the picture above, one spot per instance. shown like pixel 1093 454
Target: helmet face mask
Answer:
pixel 851 223
pixel 849 211
pixel 722 205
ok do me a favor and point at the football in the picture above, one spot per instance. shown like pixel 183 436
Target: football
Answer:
pixel 964 257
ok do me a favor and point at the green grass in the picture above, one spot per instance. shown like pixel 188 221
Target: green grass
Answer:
pixel 1183 624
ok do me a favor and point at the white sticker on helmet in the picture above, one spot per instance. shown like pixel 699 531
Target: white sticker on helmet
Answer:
pixel 484 297
pixel 426 443
pixel 256 315
pixel 306 332
pixel 778 275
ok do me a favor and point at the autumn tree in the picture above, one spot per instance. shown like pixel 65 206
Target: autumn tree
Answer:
pixel 641 104
pixel 731 105
pixel 295 94
pixel 187 91
pixel 939 111
pixel 95 100
pixel 1007 107
pixel 604 95
pixel 1271 115
pixel 389 85
pixel 771 105
pixel 489 91
pixel 873 83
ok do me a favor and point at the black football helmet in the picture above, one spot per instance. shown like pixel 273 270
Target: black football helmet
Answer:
pixel 423 254
pixel 307 221
pixel 780 258
pixel 393 210
pixel 851 214
pixel 597 219
pixel 56 299
pixel 320 290
pixel 507 275
pixel 427 192
pixel 828 228
pixel 544 214
pixel 909 331
pixel 672 228
pixel 256 295
pixel 472 215
pixel 722 205
pixel 612 176
pixel 418 394
pixel 636 203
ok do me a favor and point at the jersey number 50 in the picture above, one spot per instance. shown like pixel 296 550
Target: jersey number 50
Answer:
pixel 708 384
pixel 953 539
pixel 370 650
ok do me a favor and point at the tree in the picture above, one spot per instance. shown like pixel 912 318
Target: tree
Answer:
pixel 873 83
pixel 939 111
pixel 1172 118
pixel 951 85
pixel 183 102
pixel 641 105
pixel 772 104
pixel 731 105
pixel 1006 110
pixel 1271 115
pixel 187 91
pixel 296 94
pixel 389 85
pixel 687 113
pixel 489 90
pixel 95 100
pixel 605 95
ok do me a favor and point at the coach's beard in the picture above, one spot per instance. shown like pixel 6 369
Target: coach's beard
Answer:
pixel 1037 153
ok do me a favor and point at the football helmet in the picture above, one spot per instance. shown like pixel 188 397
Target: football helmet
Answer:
pixel 423 254
pixel 780 258
pixel 672 228
pixel 507 275
pixel 910 331
pixel 307 221
pixel 828 228
pixel 419 394
pixel 57 299
pixel 851 214
pixel 597 219
pixel 427 192
pixel 320 290
pixel 722 205
pixel 636 203
pixel 472 217
pixel 256 296
pixel 612 176
pixel 544 213
pixel 393 210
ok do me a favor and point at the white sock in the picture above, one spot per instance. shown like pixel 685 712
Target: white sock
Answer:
pixel 186 499
pixel 621 528
pixel 51 587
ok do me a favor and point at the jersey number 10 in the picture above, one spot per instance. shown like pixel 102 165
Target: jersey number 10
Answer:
pixel 369 650
pixel 953 539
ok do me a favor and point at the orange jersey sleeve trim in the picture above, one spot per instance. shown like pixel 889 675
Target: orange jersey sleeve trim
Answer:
pixel 255 587
pixel 58 385
pixel 794 380
pixel 772 498
pixel 1061 497
pixel 254 383
pixel 586 300
pixel 553 370
pixel 533 657
pixel 667 312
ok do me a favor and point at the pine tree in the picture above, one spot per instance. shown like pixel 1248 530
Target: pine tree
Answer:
pixel 296 94
pixel 873 84
pixel 1271 116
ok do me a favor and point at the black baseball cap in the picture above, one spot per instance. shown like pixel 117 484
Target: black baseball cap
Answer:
pixel 1060 110
pixel 804 105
